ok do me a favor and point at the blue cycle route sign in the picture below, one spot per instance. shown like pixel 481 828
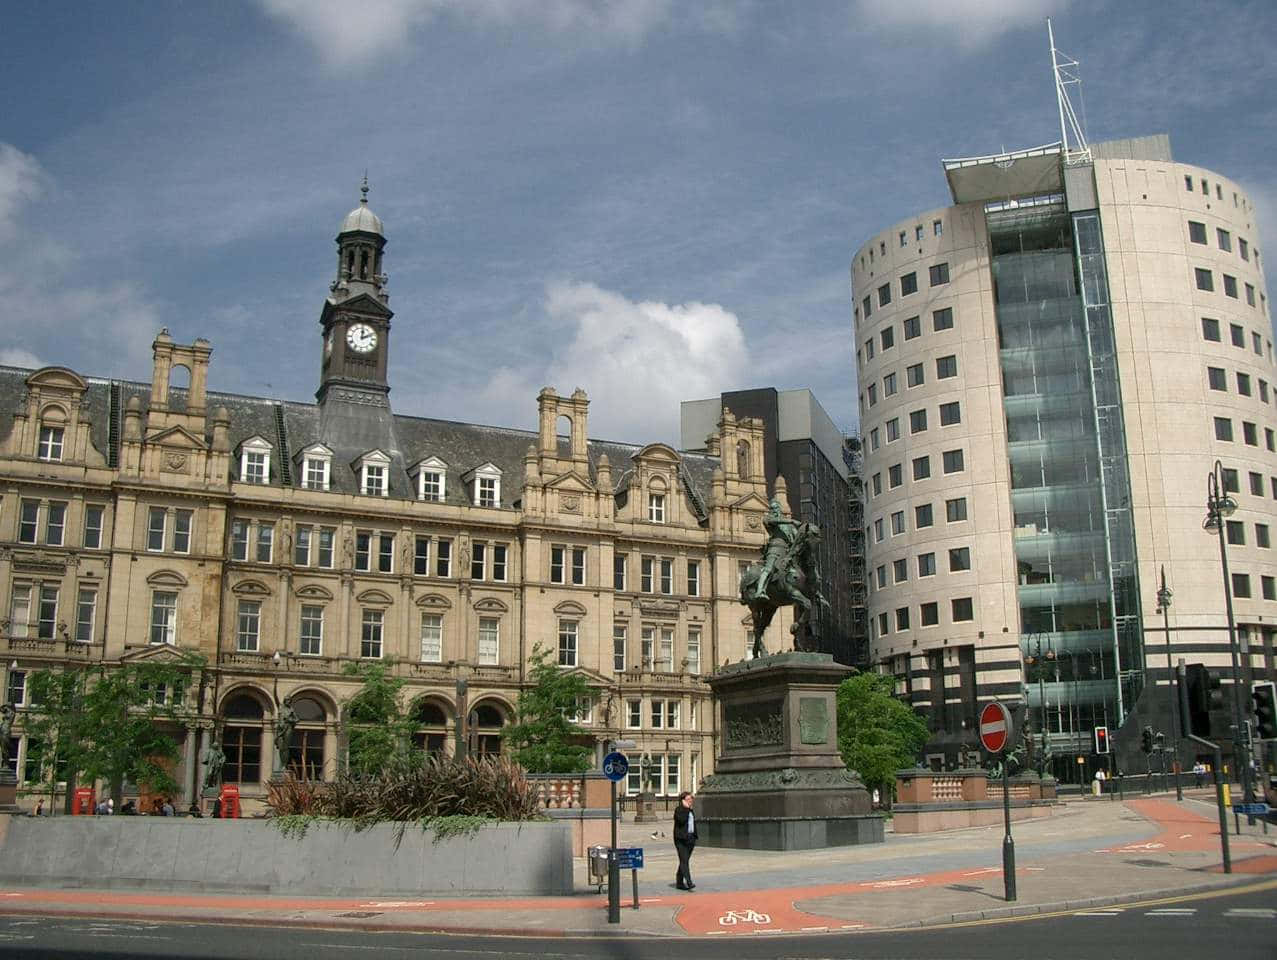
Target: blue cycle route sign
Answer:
pixel 616 766
pixel 629 858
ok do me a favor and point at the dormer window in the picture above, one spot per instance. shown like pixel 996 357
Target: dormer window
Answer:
pixel 374 474
pixel 431 479
pixel 51 444
pixel 316 471
pixel 656 507
pixel 254 461
pixel 486 485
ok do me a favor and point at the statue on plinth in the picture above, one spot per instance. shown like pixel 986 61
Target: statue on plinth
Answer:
pixel 788 573
pixel 7 714
pixel 285 723
pixel 214 760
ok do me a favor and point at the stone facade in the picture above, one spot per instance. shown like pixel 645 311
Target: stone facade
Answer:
pixel 283 541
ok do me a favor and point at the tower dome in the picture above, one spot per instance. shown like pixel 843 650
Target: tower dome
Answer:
pixel 362 219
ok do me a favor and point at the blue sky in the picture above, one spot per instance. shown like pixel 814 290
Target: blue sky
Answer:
pixel 653 200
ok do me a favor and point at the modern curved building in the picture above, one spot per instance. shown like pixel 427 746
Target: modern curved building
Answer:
pixel 1048 371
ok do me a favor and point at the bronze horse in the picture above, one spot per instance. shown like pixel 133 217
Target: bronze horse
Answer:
pixel 795 580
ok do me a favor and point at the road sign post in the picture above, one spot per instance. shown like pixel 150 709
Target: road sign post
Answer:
pixel 995 734
pixel 615 767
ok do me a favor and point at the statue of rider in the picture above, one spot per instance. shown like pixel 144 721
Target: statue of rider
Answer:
pixel 782 531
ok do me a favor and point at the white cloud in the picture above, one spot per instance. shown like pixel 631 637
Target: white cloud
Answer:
pixel 636 360
pixel 21 181
pixel 18 357
pixel 384 25
pixel 96 327
pixel 971 23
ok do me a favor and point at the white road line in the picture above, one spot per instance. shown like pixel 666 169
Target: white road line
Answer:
pixel 1185 836
pixel 1266 913
pixel 716 933
pixel 1170 913
pixel 815 929
pixel 1098 913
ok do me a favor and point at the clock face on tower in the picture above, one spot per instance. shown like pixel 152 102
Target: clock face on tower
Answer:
pixel 361 338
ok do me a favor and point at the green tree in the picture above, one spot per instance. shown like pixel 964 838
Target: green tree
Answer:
pixel 378 729
pixel 105 722
pixel 877 734
pixel 541 736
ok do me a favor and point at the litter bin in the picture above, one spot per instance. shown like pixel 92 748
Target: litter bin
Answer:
pixel 597 856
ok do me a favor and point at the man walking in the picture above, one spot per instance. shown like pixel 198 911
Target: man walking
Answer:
pixel 684 840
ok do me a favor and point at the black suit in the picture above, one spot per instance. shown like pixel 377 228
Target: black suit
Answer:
pixel 684 843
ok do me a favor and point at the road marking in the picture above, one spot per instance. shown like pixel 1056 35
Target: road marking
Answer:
pixel 976 873
pixel 17 936
pixel 1263 913
pixel 399 903
pixel 906 882
pixel 815 929
pixel 1170 912
pixel 1098 913
pixel 1185 836
pixel 732 917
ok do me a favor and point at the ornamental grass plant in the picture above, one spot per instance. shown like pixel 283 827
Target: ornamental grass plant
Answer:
pixel 439 788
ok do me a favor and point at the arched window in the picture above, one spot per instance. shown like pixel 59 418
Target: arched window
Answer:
pixel 563 435
pixel 431 727
pixel 486 721
pixel 242 739
pixel 306 749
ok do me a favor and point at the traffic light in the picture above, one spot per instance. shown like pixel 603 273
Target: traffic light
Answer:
pixel 1264 695
pixel 1204 695
pixel 1101 740
pixel 1146 739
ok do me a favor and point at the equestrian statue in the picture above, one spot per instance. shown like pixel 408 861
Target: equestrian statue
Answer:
pixel 787 574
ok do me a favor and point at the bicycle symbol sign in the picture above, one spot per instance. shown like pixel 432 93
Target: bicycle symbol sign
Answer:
pixel 733 917
pixel 616 766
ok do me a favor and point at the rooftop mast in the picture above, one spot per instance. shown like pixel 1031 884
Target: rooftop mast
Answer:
pixel 1065 72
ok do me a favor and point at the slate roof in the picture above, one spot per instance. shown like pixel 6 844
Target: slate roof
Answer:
pixel 462 446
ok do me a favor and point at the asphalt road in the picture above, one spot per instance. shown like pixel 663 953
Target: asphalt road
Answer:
pixel 1240 925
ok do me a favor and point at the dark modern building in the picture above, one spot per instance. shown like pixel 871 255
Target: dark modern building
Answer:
pixel 802 445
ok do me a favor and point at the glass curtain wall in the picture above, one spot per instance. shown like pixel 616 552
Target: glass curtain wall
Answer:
pixel 1061 530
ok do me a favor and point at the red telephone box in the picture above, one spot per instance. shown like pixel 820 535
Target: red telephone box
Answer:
pixel 82 802
pixel 230 801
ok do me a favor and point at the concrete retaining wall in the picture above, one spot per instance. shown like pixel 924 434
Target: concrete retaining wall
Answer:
pixel 252 855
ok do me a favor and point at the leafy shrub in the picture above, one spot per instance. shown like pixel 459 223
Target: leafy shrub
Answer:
pixel 494 788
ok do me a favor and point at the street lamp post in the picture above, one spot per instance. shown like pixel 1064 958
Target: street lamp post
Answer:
pixel 1164 607
pixel 1220 506
pixel 1030 660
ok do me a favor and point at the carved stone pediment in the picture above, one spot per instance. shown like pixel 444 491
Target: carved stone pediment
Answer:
pixel 166 578
pixel 176 439
pixel 570 608
pixel 434 601
pixel 39 561
pixel 375 596
pixel 490 605
pixel 659 608
pixel 250 588
pixel 313 591
pixel 154 653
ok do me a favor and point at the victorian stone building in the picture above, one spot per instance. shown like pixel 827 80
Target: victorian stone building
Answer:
pixel 283 541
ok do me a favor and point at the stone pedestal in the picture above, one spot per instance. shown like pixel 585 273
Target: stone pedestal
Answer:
pixel 8 793
pixel 779 781
pixel 645 807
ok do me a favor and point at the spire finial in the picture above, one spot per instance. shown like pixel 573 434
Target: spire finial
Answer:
pixel 363 190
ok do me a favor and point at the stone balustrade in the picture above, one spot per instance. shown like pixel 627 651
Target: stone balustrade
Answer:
pixel 928 801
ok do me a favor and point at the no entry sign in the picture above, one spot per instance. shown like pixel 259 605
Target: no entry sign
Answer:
pixel 995 727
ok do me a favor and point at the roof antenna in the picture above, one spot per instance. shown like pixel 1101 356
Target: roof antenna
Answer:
pixel 1065 73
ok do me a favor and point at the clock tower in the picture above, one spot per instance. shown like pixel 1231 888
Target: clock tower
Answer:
pixel 355 321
